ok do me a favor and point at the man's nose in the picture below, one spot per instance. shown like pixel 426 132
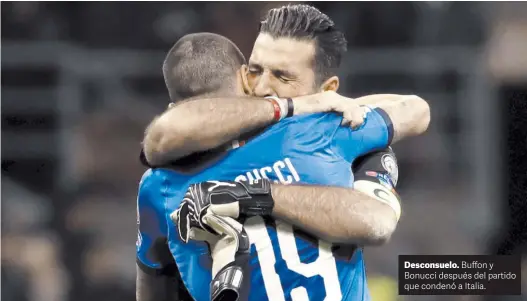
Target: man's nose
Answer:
pixel 263 87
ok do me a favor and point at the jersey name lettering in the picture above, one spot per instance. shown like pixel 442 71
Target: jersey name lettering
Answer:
pixel 269 171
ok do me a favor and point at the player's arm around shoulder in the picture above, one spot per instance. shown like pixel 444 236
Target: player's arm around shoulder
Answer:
pixel 198 125
pixel 202 124
pixel 387 118
pixel 409 114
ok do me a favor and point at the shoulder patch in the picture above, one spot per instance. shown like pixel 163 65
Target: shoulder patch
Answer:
pixel 389 163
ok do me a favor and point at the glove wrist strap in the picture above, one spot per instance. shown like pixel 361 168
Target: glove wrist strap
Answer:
pixel 258 205
pixel 261 202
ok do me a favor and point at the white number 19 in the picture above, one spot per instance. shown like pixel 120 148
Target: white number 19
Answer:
pixel 325 265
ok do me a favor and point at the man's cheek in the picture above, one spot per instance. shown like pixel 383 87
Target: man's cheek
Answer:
pixel 285 91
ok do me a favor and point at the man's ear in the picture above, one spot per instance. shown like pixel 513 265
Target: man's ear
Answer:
pixel 331 84
pixel 244 81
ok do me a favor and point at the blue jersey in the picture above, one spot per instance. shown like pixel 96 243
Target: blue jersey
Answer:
pixel 286 264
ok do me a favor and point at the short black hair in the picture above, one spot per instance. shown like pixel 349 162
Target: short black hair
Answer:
pixel 304 22
pixel 201 64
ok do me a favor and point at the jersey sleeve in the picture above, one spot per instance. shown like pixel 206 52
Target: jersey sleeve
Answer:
pixel 376 174
pixel 152 251
pixel 376 133
pixel 379 167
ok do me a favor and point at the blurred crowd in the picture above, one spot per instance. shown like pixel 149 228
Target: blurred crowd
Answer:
pixel 68 230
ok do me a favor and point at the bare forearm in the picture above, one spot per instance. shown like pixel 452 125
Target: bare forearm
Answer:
pixel 203 124
pixel 375 99
pixel 155 288
pixel 410 114
pixel 338 215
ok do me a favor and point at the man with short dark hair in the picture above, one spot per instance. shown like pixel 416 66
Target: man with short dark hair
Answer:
pixel 197 52
pixel 306 23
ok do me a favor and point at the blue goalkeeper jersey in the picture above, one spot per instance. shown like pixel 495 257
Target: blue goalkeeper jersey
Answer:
pixel 286 263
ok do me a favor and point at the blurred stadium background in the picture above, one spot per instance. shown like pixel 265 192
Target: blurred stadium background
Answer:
pixel 81 80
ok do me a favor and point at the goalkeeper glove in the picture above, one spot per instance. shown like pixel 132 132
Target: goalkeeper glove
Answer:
pixel 224 198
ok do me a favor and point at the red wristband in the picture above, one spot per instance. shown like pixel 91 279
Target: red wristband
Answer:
pixel 277 111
